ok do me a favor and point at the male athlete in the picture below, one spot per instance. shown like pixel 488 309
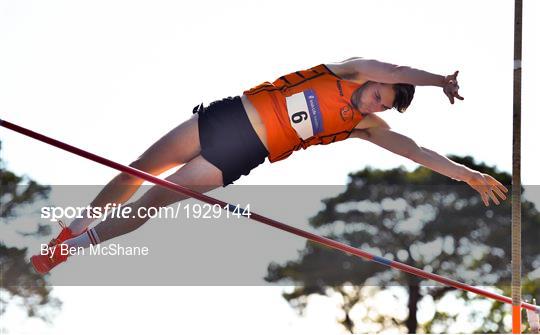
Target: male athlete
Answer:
pixel 230 137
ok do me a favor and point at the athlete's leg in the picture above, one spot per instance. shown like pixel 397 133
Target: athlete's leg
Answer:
pixel 177 147
pixel 198 175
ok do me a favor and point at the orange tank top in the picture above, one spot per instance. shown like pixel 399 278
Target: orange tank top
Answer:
pixel 305 108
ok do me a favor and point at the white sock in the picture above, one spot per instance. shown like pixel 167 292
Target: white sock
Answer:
pixel 78 225
pixel 84 240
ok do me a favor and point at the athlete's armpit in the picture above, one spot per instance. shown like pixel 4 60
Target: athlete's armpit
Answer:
pixel 363 134
pixel 372 121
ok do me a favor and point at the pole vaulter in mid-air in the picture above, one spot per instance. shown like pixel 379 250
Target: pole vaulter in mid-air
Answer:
pixel 230 137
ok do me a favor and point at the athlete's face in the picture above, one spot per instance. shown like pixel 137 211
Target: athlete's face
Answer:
pixel 375 97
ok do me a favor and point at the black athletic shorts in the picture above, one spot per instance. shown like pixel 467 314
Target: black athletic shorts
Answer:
pixel 228 139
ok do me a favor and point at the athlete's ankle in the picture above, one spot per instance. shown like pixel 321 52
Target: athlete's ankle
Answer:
pixel 79 225
pixel 84 240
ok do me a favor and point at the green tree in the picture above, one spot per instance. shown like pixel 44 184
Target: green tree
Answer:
pixel 17 278
pixel 420 218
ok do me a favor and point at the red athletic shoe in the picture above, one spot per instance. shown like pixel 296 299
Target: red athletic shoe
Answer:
pixel 65 234
pixel 44 263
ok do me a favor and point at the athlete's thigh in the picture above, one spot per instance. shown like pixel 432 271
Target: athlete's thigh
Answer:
pixel 198 175
pixel 178 146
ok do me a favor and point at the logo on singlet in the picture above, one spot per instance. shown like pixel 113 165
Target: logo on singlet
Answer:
pixel 346 113
pixel 305 114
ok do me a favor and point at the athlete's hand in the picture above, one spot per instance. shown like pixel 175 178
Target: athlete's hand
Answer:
pixel 488 187
pixel 451 87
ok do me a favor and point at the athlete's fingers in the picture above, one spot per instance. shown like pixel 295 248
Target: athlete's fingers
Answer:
pixel 499 193
pixel 480 189
pixel 452 90
pixel 500 185
pixel 493 197
pixel 484 198
pixel 450 96
pixel 497 183
pixel 456 93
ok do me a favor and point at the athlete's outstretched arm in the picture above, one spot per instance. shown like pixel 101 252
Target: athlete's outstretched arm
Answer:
pixel 363 70
pixel 486 185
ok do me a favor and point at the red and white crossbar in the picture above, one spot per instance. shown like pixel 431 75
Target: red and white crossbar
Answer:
pixel 310 236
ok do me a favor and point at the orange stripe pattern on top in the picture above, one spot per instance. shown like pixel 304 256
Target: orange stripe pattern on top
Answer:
pixel 305 108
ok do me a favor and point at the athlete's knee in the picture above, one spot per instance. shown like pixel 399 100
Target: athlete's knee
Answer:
pixel 142 164
pixel 138 164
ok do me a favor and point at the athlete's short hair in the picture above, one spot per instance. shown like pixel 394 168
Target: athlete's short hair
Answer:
pixel 404 96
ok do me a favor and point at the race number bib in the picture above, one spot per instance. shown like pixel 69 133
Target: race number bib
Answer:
pixel 305 113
